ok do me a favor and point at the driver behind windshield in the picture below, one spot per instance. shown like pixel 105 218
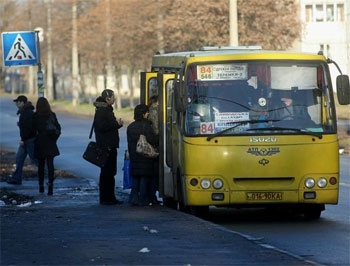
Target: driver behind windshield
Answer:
pixel 287 109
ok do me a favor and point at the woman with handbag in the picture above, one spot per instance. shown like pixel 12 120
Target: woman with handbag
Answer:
pixel 141 165
pixel 107 136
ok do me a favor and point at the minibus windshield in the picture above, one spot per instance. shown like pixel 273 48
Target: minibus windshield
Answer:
pixel 269 97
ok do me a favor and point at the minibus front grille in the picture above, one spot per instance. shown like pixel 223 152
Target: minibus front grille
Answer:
pixel 259 181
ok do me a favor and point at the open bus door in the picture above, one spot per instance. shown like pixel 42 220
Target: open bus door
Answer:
pixel 148 86
pixel 160 84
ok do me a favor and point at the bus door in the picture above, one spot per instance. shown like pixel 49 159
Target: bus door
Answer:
pixel 162 85
pixel 148 86
pixel 169 138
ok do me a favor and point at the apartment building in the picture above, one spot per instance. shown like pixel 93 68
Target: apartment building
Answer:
pixel 326 27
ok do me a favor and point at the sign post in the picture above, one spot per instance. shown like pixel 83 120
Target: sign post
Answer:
pixel 21 49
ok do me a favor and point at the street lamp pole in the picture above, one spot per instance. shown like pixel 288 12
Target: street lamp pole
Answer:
pixel 233 23
pixel 40 75
pixel 75 59
pixel 49 73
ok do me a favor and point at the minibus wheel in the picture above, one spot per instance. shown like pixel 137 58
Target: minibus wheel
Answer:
pixel 200 211
pixel 313 212
pixel 170 203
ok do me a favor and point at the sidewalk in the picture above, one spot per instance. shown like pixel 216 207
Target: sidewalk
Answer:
pixel 71 228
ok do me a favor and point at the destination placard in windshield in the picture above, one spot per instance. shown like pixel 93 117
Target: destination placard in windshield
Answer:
pixel 222 72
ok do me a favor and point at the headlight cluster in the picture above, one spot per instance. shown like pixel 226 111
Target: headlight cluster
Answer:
pixel 321 182
pixel 206 183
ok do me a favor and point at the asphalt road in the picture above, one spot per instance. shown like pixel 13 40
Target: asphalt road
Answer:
pixel 325 241
pixel 71 228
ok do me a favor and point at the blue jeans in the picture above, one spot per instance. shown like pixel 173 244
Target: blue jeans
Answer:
pixel 141 191
pixel 22 152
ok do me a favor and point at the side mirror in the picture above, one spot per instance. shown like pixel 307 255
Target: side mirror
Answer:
pixel 179 95
pixel 343 89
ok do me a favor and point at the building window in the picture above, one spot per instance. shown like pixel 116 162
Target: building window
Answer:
pixel 340 12
pixel 322 48
pixel 326 49
pixel 319 13
pixel 330 13
pixel 325 13
pixel 308 13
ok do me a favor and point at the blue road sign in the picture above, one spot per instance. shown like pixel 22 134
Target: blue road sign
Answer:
pixel 19 48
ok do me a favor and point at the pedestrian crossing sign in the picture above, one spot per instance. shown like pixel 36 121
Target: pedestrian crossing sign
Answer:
pixel 19 48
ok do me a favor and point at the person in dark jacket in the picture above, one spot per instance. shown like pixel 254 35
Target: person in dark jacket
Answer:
pixel 291 113
pixel 45 144
pixel 141 167
pixel 27 135
pixel 106 133
pixel 153 117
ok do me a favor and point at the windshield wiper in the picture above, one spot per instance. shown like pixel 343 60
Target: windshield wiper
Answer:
pixel 239 123
pixel 301 131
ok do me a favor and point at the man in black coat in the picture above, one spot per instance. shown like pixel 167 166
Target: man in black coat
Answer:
pixel 27 134
pixel 106 133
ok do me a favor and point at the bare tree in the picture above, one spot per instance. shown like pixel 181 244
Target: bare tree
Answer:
pixel 269 23
pixel 138 29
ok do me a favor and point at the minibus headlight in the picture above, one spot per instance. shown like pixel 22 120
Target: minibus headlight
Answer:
pixel 333 180
pixel 205 183
pixel 194 182
pixel 322 182
pixel 309 182
pixel 217 184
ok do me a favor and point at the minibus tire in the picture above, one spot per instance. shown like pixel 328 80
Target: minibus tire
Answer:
pixel 200 211
pixel 170 203
pixel 313 212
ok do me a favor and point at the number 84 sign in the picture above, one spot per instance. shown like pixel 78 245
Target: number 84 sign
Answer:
pixel 207 128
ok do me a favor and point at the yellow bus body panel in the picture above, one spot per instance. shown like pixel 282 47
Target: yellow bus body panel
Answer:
pixel 246 167
pixel 177 59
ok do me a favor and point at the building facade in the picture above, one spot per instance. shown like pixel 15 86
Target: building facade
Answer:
pixel 326 27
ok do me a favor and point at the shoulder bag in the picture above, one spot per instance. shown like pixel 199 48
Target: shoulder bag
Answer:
pixel 94 153
pixel 145 149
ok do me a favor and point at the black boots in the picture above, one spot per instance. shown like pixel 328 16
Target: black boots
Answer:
pixel 42 189
pixel 41 185
pixel 50 190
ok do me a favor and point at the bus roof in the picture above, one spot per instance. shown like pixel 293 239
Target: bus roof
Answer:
pixel 210 54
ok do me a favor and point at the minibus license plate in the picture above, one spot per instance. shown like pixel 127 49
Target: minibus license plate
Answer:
pixel 264 195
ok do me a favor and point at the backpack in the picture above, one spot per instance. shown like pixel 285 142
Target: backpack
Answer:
pixel 53 128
